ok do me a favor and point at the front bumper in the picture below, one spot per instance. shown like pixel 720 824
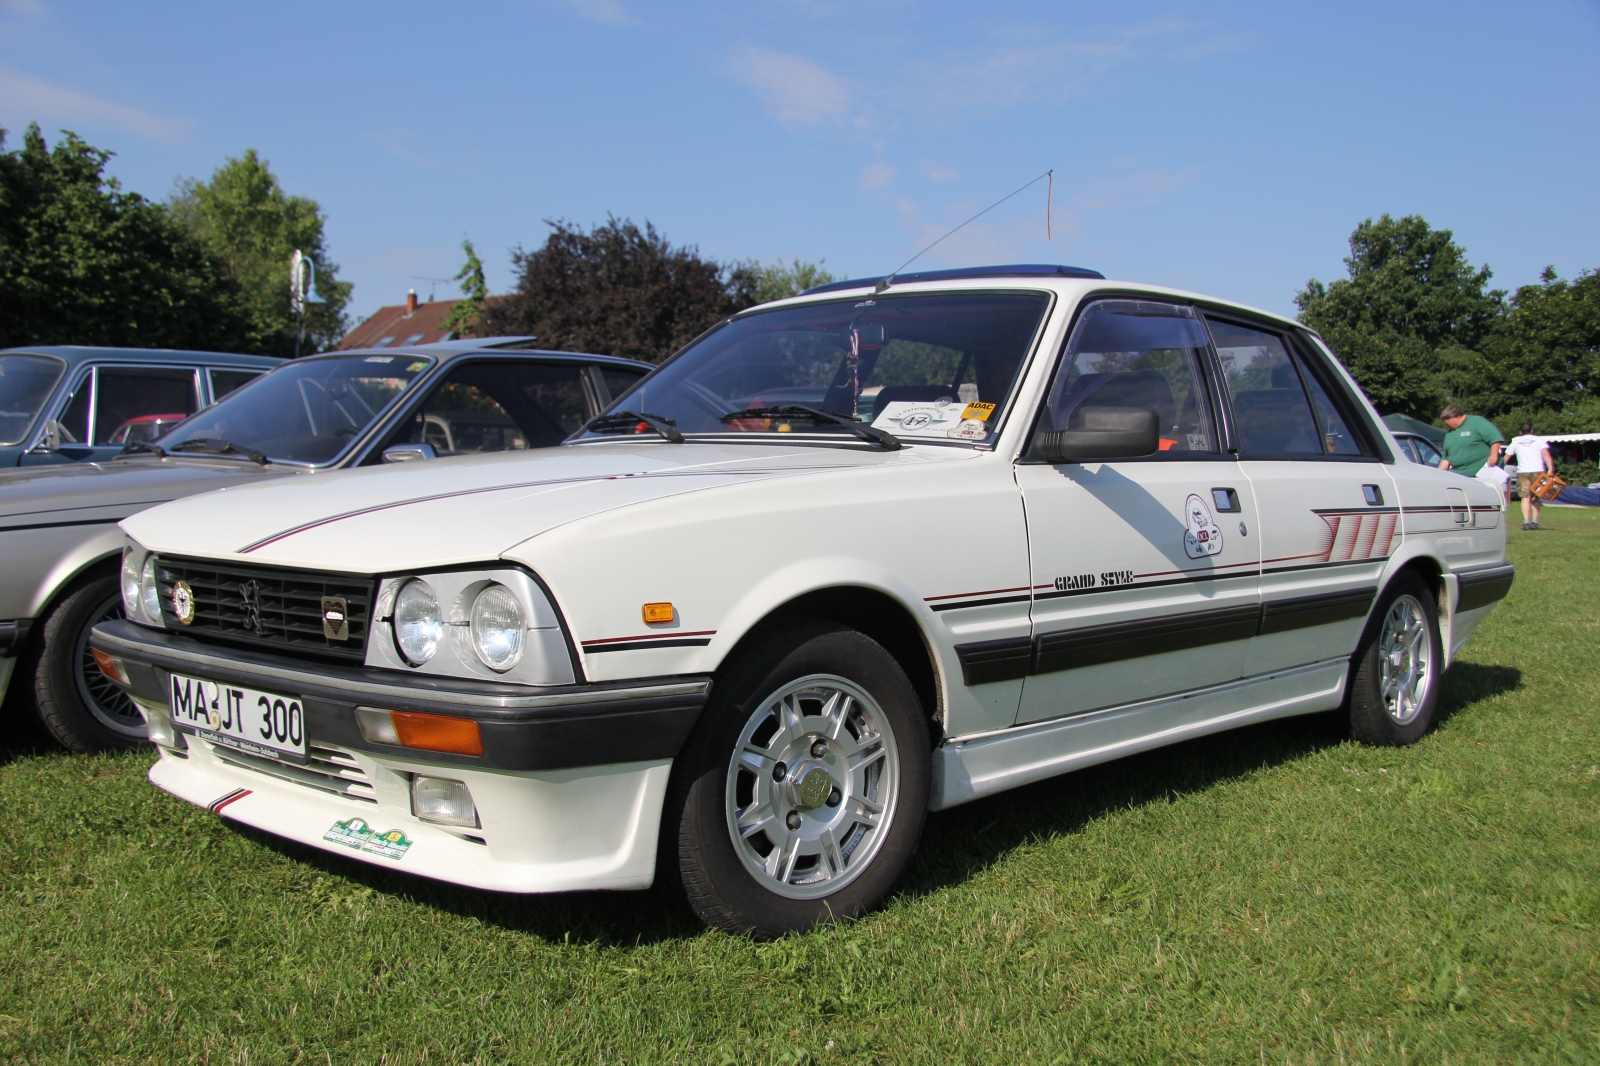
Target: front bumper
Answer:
pixel 568 790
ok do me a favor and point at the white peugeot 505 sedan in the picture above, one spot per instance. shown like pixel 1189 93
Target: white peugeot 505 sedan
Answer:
pixel 879 549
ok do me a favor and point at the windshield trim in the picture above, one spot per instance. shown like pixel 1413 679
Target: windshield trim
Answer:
pixel 36 423
pixel 1024 365
pixel 360 439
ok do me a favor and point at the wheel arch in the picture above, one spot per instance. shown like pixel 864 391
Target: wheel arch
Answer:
pixel 103 551
pixel 1434 575
pixel 878 615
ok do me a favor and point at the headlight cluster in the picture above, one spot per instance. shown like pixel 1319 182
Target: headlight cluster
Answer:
pixel 141 596
pixel 495 625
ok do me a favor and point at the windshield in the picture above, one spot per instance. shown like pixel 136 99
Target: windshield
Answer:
pixel 25 383
pixel 936 367
pixel 307 411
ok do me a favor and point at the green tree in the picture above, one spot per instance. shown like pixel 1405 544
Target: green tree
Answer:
pixel 463 317
pixel 1546 355
pixel 779 281
pixel 1410 298
pixel 252 227
pixel 617 290
pixel 83 262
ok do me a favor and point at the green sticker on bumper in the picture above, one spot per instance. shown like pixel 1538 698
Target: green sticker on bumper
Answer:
pixel 356 833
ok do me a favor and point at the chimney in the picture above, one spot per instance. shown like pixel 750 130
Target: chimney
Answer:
pixel 411 303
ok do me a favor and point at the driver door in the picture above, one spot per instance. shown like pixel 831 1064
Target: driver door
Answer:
pixel 1145 569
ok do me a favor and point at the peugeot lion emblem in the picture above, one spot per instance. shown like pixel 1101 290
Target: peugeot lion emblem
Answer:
pixel 250 593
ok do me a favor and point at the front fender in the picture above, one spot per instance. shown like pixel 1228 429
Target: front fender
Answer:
pixel 38 563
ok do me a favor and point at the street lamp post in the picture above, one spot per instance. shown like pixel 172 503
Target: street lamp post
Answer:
pixel 302 291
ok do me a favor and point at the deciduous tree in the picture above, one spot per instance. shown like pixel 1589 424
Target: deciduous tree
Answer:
pixel 252 227
pixel 83 262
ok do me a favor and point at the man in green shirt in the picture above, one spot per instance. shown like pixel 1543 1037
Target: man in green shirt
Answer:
pixel 1472 442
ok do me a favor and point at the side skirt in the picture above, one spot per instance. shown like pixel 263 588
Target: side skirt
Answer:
pixel 967 768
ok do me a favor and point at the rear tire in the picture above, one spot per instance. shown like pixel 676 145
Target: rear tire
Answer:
pixel 1394 676
pixel 801 794
pixel 81 708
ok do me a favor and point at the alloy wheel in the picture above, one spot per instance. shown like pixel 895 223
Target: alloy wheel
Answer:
pixel 1405 653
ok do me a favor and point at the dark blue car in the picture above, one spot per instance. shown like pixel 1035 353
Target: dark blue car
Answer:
pixel 63 404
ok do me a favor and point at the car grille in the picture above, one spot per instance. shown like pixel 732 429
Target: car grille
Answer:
pixel 266 607
pixel 326 769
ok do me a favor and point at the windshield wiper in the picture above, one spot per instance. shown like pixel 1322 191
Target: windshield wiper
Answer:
pixel 217 446
pixel 135 446
pixel 887 440
pixel 628 420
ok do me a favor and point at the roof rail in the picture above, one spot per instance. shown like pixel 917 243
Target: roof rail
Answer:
pixel 1018 270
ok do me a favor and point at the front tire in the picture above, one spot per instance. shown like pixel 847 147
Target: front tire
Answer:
pixel 802 791
pixel 81 708
pixel 1394 682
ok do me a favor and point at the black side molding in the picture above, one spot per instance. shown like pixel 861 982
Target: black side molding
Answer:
pixel 995 660
pixel 1484 585
pixel 1279 616
pixel 987 661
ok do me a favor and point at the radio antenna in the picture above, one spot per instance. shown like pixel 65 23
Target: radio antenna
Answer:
pixel 886 282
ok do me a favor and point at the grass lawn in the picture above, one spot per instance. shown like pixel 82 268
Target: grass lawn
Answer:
pixel 1272 895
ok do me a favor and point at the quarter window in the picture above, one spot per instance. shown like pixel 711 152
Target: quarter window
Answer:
pixel 1138 353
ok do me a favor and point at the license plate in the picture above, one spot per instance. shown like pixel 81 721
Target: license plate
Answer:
pixel 259 723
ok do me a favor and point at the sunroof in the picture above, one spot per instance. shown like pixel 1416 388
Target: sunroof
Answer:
pixel 1017 270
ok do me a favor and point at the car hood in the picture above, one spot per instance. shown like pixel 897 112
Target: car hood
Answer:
pixel 471 508
pixel 65 492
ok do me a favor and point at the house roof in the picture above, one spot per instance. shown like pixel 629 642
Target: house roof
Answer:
pixel 396 326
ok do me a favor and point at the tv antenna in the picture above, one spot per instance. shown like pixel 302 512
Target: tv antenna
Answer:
pixel 432 282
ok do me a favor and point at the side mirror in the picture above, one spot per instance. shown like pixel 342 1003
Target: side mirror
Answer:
pixel 408 453
pixel 1104 433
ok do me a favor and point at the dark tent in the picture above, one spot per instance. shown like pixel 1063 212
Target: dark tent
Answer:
pixel 1407 424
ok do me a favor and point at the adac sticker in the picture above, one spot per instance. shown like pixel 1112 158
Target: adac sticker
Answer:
pixel 356 833
pixel 1201 537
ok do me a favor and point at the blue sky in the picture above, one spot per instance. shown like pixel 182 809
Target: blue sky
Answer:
pixel 1227 148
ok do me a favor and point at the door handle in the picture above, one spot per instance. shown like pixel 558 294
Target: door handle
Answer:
pixel 1225 501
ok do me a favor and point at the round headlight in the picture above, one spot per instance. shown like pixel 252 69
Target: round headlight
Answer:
pixel 497 628
pixel 130 585
pixel 417 625
pixel 149 593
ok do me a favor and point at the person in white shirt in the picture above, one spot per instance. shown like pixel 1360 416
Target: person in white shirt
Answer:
pixel 1497 476
pixel 1532 456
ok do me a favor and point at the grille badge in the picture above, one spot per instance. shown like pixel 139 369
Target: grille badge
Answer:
pixel 183 602
pixel 335 618
pixel 250 593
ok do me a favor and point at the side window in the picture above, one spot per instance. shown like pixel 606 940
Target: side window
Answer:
pixel 131 397
pixel 1336 436
pixel 1269 402
pixel 225 381
pixel 497 407
pixel 618 381
pixel 1137 353
pixel 1426 452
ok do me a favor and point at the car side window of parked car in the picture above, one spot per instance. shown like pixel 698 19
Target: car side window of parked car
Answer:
pixel 1129 353
pixel 500 406
pixel 225 381
pixel 25 384
pixel 124 393
pixel 1271 411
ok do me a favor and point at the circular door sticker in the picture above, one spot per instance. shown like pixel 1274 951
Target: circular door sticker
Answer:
pixel 1201 537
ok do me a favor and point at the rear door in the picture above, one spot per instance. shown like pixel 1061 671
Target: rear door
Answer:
pixel 1327 507
pixel 1145 568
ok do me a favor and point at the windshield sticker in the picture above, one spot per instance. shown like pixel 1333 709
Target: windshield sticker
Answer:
pixel 356 833
pixel 969 429
pixel 418 365
pixel 380 359
pixel 1201 537
pixel 921 418
pixel 980 411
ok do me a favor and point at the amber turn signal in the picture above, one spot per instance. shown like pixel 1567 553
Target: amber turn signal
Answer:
pixel 425 732
pixel 111 666
pixel 655 613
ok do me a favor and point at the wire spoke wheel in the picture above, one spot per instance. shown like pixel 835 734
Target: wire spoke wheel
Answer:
pixel 102 696
pixel 1404 660
pixel 812 786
